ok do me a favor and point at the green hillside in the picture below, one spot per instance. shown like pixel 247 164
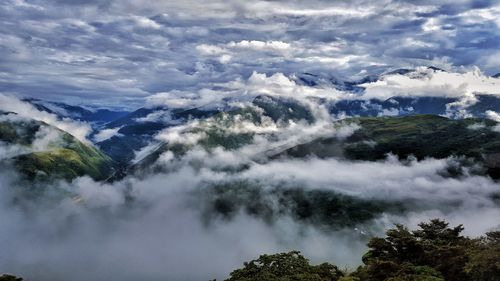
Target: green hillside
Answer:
pixel 63 157
pixel 421 136
pixel 416 135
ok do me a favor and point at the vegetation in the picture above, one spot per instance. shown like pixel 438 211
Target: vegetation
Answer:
pixel 322 208
pixel 434 252
pixel 63 163
pixel 64 158
pixel 8 277
pixel 285 267
pixel 420 136
pixel 471 140
pixel 283 109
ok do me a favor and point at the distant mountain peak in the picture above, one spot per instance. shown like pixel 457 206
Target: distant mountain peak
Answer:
pixel 63 110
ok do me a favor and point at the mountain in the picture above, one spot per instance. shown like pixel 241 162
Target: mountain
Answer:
pixel 323 80
pixel 138 128
pixel 420 136
pixel 42 152
pixel 216 128
pixel 416 129
pixel 62 110
pixel 128 133
pixel 349 85
pixel 400 106
pixel 396 106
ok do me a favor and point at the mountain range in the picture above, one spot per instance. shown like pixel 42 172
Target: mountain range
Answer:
pixel 421 126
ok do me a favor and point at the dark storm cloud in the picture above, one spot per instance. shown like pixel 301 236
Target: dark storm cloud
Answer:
pixel 80 50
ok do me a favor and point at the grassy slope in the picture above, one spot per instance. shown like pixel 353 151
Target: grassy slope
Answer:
pixel 417 135
pixel 68 159
pixel 422 136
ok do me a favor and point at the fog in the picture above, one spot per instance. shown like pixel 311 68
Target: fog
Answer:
pixel 23 109
pixel 96 235
pixel 153 228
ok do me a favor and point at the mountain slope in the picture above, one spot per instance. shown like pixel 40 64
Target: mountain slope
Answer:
pixel 42 152
pixel 226 129
pixel 138 128
pixel 421 136
pixel 415 135
pixel 62 110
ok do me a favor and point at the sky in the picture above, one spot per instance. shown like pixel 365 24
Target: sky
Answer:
pixel 117 53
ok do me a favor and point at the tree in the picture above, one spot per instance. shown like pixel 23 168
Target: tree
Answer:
pixel 433 252
pixel 484 262
pixel 291 266
pixel 8 277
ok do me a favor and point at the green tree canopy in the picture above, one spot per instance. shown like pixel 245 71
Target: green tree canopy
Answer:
pixel 291 266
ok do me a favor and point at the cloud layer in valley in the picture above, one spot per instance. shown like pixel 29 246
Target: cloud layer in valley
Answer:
pixel 153 228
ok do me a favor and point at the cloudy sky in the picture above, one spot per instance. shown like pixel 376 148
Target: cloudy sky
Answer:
pixel 119 52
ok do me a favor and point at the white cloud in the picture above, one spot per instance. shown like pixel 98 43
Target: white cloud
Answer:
pixel 278 46
pixel 476 126
pixel 46 138
pixel 8 150
pixel 76 128
pixel 206 49
pixel 427 82
pixel 493 115
pixel 146 22
pixel 105 134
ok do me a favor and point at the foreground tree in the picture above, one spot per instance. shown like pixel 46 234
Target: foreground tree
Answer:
pixel 484 258
pixel 290 266
pixel 433 252
pixel 8 277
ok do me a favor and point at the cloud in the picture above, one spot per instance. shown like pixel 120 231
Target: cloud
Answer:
pixel 428 82
pixel 105 134
pixel 46 138
pixel 119 52
pixel 275 46
pixel 493 115
pixel 147 23
pixel 153 228
pixel 240 90
pixel 78 129
pixel 159 242
pixel 8 151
